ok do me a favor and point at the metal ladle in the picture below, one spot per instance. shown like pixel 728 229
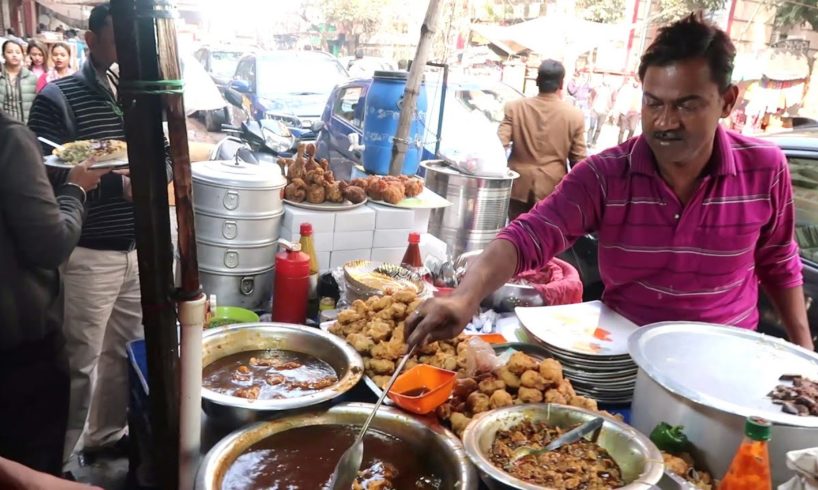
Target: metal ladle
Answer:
pixel 347 468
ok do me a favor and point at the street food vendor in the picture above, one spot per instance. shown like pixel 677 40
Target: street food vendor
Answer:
pixel 690 217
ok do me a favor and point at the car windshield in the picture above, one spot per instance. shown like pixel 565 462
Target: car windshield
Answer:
pixel 298 75
pixel 223 63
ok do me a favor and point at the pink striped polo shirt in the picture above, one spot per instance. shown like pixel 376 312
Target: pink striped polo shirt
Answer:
pixel 660 260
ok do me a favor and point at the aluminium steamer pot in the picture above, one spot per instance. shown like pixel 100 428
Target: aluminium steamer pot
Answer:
pixel 236 258
pixel 252 290
pixel 237 230
pixel 237 189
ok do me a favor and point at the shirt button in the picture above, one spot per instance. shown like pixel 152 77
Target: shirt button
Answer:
pixel 676 216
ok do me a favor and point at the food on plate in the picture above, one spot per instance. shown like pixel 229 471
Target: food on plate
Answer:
pixel 582 464
pixel 798 398
pixel 77 152
pixel 291 459
pixel 389 188
pixel 268 375
pixel 682 465
pixel 312 181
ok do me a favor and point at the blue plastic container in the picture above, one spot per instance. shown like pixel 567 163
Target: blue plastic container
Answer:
pixel 383 105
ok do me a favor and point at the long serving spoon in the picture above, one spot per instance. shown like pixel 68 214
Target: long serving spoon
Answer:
pixel 347 468
pixel 50 143
pixel 573 435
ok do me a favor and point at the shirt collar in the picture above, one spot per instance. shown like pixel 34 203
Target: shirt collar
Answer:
pixel 722 161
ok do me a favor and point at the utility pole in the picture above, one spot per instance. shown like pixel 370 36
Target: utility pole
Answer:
pixel 410 96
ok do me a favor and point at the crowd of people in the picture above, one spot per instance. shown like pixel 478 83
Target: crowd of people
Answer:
pixel 70 301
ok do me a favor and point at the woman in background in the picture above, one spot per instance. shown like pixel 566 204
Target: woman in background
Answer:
pixel 60 65
pixel 17 84
pixel 37 59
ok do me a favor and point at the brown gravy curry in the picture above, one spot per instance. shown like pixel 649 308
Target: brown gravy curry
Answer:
pixel 268 375
pixel 304 458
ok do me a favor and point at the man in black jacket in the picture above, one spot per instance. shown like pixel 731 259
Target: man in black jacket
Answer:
pixel 38 231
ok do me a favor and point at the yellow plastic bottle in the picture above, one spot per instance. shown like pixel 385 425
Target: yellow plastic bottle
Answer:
pixel 308 247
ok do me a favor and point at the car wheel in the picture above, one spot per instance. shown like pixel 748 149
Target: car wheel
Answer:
pixel 213 120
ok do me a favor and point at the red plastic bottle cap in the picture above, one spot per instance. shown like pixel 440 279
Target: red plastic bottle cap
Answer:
pixel 306 229
pixel 414 238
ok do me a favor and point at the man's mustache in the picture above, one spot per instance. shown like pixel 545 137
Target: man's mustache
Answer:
pixel 673 135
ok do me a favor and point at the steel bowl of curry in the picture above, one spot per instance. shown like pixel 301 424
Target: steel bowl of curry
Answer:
pixel 300 452
pixel 255 370
pixel 620 457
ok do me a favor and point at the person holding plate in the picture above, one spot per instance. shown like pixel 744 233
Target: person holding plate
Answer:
pixel 690 217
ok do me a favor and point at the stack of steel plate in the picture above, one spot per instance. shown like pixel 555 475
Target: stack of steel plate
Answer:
pixel 590 340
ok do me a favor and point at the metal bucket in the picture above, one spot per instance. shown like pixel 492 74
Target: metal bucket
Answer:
pixel 479 206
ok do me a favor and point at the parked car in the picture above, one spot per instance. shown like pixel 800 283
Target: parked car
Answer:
pixel 367 66
pixel 220 63
pixel 801 149
pixel 289 86
pixel 473 109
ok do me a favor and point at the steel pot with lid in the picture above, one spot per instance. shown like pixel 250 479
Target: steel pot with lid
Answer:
pixel 710 378
pixel 252 290
pixel 237 189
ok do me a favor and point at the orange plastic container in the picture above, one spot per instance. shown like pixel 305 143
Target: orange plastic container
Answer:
pixel 435 384
pixel 493 338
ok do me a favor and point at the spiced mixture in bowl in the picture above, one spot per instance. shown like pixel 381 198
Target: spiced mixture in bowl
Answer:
pixel 582 465
pixel 268 375
pixel 296 460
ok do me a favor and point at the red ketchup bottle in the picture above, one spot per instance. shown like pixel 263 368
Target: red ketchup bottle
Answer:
pixel 292 284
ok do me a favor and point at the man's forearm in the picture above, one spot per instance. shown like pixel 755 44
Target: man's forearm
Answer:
pixel 493 268
pixel 789 302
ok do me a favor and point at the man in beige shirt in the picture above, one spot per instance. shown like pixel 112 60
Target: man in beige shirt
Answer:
pixel 546 133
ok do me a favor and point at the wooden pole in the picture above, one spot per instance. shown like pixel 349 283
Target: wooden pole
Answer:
pixel 135 32
pixel 410 96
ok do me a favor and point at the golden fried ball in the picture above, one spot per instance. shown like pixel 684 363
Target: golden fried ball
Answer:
pixel 490 385
pixel 519 363
pixel 510 379
pixel 477 402
pixel 532 379
pixel 529 395
pixel 500 398
pixel 551 370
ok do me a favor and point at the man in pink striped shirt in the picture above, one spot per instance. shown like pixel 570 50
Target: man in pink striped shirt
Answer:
pixel 690 217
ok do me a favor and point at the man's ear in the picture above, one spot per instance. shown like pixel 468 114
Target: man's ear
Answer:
pixel 729 99
pixel 90 39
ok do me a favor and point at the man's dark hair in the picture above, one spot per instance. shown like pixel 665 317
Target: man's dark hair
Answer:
pixel 98 18
pixel 550 76
pixel 689 38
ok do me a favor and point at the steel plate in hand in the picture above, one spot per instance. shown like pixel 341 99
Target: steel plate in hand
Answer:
pixel 726 368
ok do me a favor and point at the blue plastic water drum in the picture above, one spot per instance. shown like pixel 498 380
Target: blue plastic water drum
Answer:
pixel 383 106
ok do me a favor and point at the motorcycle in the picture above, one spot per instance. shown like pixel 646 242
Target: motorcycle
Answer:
pixel 255 141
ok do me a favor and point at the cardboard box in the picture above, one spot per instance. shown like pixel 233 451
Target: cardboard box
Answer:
pixel 322 241
pixel 340 257
pixel 361 218
pixel 392 255
pixel 391 238
pixel 389 218
pixel 321 221
pixel 351 240
pixel 421 223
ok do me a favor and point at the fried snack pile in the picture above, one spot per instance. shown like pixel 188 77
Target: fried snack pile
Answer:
pixel 375 329
pixel 578 465
pixel 682 465
pixel 522 379
pixel 312 181
pixel 390 189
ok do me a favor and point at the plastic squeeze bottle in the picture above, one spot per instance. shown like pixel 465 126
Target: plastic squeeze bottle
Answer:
pixel 750 469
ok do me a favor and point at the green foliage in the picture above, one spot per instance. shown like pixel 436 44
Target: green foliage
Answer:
pixel 672 10
pixel 360 16
pixel 794 14
pixel 606 11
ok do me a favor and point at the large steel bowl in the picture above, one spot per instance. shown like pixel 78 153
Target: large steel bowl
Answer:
pixel 220 342
pixel 640 461
pixel 423 436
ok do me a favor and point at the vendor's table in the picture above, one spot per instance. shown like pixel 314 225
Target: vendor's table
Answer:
pixel 140 459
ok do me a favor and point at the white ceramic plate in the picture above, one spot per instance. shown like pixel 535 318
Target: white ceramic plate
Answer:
pixel 54 162
pixel 425 200
pixel 586 329
pixel 325 206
